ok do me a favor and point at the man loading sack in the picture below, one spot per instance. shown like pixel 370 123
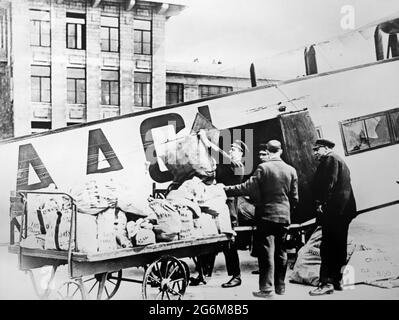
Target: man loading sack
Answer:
pixel 229 172
pixel 188 157
pixel 194 171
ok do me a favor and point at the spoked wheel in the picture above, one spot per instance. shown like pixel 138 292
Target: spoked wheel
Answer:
pixel 187 269
pixel 71 290
pixel 43 283
pixel 103 285
pixel 165 279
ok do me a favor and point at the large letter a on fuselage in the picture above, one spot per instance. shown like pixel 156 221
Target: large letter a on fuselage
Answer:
pixel 28 158
pixel 98 142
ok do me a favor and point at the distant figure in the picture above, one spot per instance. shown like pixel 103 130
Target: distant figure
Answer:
pixel 263 153
pixel 336 207
pixel 274 188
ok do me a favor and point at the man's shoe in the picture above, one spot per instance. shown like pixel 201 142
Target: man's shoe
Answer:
pixel 263 294
pixel 255 272
pixel 233 282
pixel 280 292
pixel 323 289
pixel 197 281
pixel 338 286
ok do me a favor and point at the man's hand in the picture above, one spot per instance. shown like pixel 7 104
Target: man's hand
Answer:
pixel 204 138
pixel 202 133
pixel 319 209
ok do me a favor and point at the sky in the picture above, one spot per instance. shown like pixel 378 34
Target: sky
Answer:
pixel 239 32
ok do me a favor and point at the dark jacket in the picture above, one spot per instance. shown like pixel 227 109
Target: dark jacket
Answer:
pixel 230 174
pixel 274 188
pixel 332 187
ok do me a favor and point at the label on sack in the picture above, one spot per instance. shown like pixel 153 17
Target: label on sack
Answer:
pixel 368 266
pixel 145 237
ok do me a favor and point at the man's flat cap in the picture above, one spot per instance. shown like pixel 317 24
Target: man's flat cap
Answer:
pixel 323 143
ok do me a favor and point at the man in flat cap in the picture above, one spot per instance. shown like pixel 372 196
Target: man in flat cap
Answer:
pixel 335 208
pixel 274 188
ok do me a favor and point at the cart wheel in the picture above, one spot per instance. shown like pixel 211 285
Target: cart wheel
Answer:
pixel 187 269
pixel 165 279
pixel 43 285
pixel 71 290
pixel 108 282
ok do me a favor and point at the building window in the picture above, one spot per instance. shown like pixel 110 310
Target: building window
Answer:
pixel 76 86
pixel 174 93
pixel 40 126
pixel 72 123
pixel 142 37
pixel 370 132
pixel 110 87
pixel 76 31
pixel 109 34
pixel 207 91
pixel 40 28
pixel 142 89
pixel 2 29
pixel 41 84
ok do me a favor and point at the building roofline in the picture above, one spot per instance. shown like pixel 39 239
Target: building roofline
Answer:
pixel 166 7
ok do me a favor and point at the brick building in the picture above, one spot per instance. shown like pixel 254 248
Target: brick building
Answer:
pixel 64 62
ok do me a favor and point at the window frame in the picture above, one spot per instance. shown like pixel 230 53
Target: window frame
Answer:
pixel 70 22
pixel 41 33
pixel 76 91
pixel 141 85
pixel 3 30
pixel 201 86
pixel 41 77
pixel 40 126
pixel 141 32
pixel 108 28
pixel 179 92
pixel 110 83
pixel 392 138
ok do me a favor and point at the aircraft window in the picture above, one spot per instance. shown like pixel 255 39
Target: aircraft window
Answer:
pixel 355 136
pixel 378 131
pixel 368 132
pixel 395 124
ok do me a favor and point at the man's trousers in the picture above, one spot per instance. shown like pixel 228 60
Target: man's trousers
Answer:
pixel 269 243
pixel 333 248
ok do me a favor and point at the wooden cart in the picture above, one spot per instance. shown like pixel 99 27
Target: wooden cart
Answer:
pixel 165 276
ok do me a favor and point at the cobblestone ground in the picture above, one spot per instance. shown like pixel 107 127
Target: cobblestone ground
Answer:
pixel 372 230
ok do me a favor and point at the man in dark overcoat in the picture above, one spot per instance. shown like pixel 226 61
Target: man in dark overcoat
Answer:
pixel 335 208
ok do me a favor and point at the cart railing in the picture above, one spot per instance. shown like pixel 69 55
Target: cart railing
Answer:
pixel 22 228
